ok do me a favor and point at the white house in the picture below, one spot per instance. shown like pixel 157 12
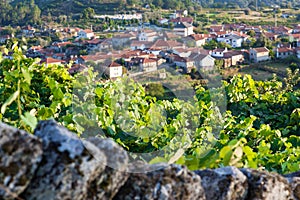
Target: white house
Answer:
pixel 148 64
pixel 163 21
pixel 284 52
pixel 233 40
pixel 202 61
pixel 186 63
pixel 148 35
pixel 85 34
pixel 198 39
pixel 142 45
pixel 114 70
pixel 219 53
pixel 259 54
pixel 183 29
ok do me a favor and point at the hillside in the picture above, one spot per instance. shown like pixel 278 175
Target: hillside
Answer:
pixel 68 7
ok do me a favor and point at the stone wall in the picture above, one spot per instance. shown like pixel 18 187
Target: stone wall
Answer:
pixel 55 164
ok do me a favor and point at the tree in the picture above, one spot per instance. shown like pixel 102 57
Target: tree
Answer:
pixel 158 3
pixel 88 13
pixel 212 44
pixel 251 33
pixel 36 14
pixel 155 90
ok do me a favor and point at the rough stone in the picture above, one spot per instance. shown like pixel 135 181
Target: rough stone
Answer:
pixel 227 183
pixel 166 182
pixel 267 186
pixel 69 165
pixel 114 175
pixel 20 154
pixel 294 180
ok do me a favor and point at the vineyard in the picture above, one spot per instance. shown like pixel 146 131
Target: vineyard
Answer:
pixel 242 123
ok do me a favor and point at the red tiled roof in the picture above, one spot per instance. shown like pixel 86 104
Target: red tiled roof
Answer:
pixel 284 49
pixel 261 49
pixel 183 19
pixel 114 64
pixel 199 36
pixel 88 30
pixel 147 60
pixel 51 61
pixel 62 44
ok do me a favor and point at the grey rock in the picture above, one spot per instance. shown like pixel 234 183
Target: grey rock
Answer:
pixel 227 183
pixel 294 180
pixel 166 182
pixel 114 175
pixel 69 165
pixel 20 154
pixel 267 186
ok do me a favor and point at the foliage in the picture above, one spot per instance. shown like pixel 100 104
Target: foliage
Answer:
pixel 155 90
pixel 21 13
pixel 259 128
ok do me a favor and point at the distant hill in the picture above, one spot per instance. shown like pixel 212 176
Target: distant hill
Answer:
pixel 73 7
pixel 22 12
pixel 68 7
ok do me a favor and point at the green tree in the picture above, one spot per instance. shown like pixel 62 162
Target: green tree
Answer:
pixel 155 90
pixel 251 33
pixel 88 13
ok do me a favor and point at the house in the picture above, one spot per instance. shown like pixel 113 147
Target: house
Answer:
pixel 93 44
pixel 75 68
pixel 295 38
pixel 160 45
pixel 230 58
pixel 148 64
pixel 234 39
pixel 182 52
pixel 177 20
pixel 281 30
pixel 163 21
pixel 51 61
pixel 271 36
pixel 142 45
pixel 247 28
pixel 148 35
pixel 203 62
pixel 3 38
pixel 179 13
pixel 187 64
pixel 114 70
pixel 59 56
pixel 259 54
pixel 170 36
pixel 235 58
pixel 28 31
pixel 219 53
pixel 122 39
pixel 198 39
pixel 60 46
pixel 284 52
pixel 183 29
pixel 216 28
pixel 106 44
pixel 85 34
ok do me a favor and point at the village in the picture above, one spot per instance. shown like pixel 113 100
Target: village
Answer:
pixel 147 48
